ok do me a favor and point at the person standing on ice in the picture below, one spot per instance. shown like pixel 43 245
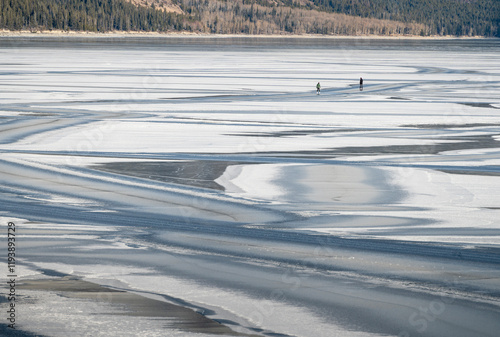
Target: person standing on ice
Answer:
pixel 318 88
pixel 361 84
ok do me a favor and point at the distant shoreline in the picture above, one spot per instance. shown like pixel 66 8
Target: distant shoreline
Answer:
pixel 61 33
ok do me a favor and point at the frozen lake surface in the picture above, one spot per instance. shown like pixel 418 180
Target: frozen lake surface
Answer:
pixel 150 175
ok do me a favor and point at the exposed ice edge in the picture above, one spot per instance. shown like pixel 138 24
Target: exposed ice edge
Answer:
pixel 123 278
pixel 148 282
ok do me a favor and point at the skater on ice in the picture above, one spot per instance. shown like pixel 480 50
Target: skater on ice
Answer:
pixel 361 84
pixel 318 88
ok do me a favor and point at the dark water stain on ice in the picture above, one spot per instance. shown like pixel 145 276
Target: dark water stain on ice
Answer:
pixel 294 133
pixel 480 105
pixel 176 316
pixel 463 143
pixel 6 331
pixel 449 126
pixel 199 173
pixel 400 98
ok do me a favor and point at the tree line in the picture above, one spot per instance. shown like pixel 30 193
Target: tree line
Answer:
pixel 85 15
pixel 332 17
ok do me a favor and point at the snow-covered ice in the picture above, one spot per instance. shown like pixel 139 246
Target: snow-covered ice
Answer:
pixel 208 174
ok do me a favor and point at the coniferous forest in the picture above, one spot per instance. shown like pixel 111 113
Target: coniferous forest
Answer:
pixel 331 17
pixel 85 15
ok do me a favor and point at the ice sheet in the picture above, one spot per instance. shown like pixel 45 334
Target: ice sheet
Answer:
pixel 211 175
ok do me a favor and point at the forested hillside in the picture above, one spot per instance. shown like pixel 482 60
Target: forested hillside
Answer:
pixel 333 17
pixel 85 15
pixel 443 17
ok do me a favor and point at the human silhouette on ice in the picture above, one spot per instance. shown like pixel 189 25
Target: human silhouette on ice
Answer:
pixel 361 84
pixel 318 88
